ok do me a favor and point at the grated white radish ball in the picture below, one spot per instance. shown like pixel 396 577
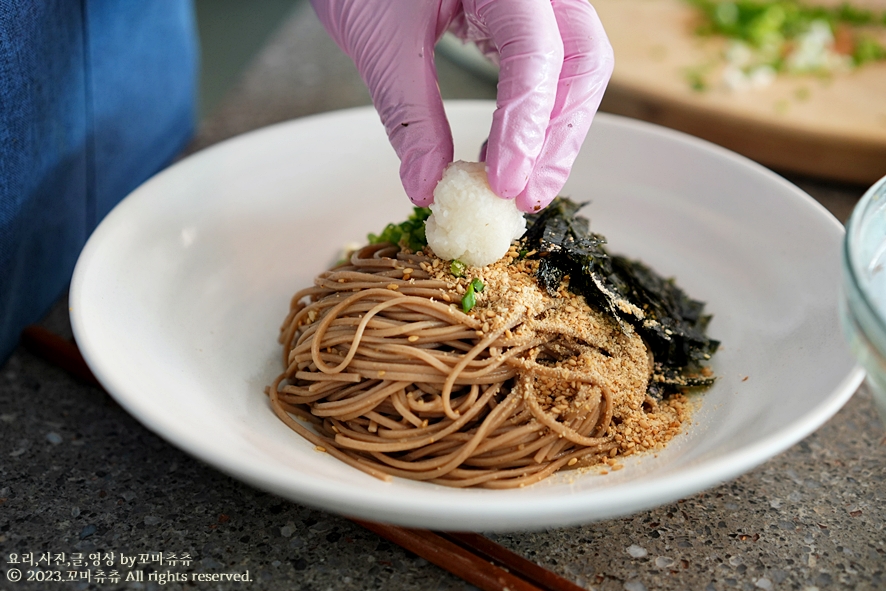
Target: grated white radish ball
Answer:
pixel 468 221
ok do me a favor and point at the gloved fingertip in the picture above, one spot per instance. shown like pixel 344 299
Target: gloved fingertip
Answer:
pixel 507 184
pixel 425 150
pixel 421 194
pixel 533 201
pixel 420 179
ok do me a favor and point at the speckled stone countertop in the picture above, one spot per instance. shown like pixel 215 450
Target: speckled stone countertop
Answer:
pixel 79 475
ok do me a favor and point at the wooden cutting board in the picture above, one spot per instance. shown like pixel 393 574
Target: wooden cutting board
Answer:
pixel 831 128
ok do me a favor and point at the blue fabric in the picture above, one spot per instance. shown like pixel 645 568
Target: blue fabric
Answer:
pixel 95 97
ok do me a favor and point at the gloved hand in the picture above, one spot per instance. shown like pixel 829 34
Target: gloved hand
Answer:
pixel 555 62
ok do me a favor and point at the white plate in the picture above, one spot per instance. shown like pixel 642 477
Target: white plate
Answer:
pixel 177 298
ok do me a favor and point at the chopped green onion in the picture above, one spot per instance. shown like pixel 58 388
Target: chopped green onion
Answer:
pixel 457 268
pixel 469 300
pixel 409 234
pixel 867 50
pixel 773 27
pixel 755 20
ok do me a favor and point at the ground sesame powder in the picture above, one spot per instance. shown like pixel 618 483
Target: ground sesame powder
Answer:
pixel 587 338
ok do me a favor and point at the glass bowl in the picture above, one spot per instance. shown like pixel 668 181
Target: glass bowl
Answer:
pixel 864 288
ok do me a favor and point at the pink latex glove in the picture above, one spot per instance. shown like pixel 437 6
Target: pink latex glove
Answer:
pixel 555 62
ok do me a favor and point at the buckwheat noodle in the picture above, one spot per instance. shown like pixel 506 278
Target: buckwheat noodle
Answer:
pixel 395 380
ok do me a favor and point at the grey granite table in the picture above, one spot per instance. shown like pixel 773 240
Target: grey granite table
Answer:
pixel 79 475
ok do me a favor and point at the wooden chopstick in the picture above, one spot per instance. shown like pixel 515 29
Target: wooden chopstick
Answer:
pixel 472 557
pixel 451 557
pixel 514 563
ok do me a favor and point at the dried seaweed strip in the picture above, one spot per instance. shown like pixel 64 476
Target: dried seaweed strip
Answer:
pixel 672 324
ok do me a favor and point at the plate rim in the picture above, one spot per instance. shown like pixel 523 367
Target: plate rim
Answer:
pixel 570 509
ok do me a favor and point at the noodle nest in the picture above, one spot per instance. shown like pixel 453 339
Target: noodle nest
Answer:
pixel 384 371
